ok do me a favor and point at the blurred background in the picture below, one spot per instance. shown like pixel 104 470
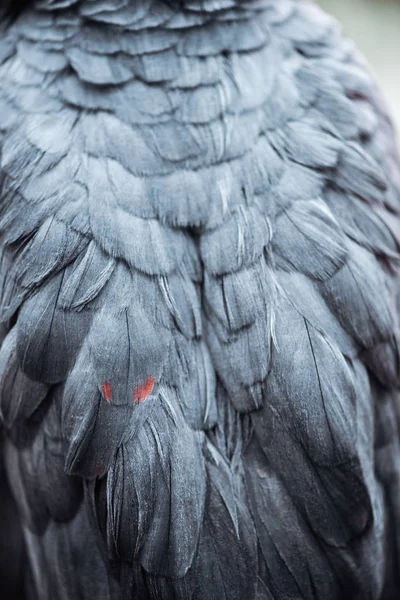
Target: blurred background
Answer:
pixel 375 26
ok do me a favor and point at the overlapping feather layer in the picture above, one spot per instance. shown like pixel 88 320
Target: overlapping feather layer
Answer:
pixel 199 234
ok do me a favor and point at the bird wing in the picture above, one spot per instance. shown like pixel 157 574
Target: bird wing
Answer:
pixel 199 244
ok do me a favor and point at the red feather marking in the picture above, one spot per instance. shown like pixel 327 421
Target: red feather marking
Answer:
pixel 107 390
pixel 142 391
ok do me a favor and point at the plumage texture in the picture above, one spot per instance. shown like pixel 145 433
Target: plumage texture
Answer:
pixel 199 302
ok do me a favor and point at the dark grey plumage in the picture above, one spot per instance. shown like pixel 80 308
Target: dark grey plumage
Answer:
pixel 199 297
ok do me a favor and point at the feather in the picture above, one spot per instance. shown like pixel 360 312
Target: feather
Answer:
pixel 98 69
pixel 47 335
pixel 359 296
pixel 358 174
pixel 283 535
pixel 66 545
pixel 130 101
pixel 39 58
pixel 157 67
pixel 106 40
pixel 363 225
pixel 147 291
pixel 126 350
pixel 105 136
pixel 329 99
pixel 196 198
pixel 305 298
pixel 298 183
pixel 189 371
pixel 282 106
pixel 319 492
pixel 19 396
pixel 93 428
pixel 183 301
pixel 126 14
pixel 200 105
pixel 155 249
pixel 46 185
pixel 212 39
pixel 309 240
pixel 242 363
pixel 122 356
pixel 204 70
pixel 227 524
pixel 239 298
pixel 52 248
pixel 155 496
pixel 238 243
pixel 296 28
pixel 86 278
pixel 17 154
pixel 306 144
pixel 29 496
pixel 384 361
pixel 310 389
pixel 43 491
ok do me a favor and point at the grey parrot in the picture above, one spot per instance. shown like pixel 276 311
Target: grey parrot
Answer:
pixel 199 302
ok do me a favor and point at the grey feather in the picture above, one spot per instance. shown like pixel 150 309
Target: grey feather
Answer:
pixel 20 396
pixel 310 388
pixel 48 335
pixel 360 297
pixel 238 243
pixel 168 480
pixel 309 240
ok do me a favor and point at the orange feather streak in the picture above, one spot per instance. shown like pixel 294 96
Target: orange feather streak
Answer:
pixel 107 390
pixel 142 391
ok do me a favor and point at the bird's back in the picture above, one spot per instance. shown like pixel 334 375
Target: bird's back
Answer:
pixel 199 242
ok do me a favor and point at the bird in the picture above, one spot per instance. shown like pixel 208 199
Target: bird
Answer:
pixel 199 301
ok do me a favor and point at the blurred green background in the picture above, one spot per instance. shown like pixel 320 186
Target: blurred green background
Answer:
pixel 375 26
